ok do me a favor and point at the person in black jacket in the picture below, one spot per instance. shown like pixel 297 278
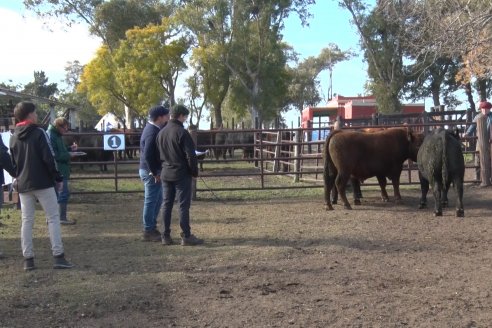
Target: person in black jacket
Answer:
pixel 5 164
pixel 179 166
pixel 150 170
pixel 37 175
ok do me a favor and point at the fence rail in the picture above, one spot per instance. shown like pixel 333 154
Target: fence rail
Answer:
pixel 277 158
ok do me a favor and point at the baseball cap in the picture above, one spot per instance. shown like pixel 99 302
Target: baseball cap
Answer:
pixel 157 111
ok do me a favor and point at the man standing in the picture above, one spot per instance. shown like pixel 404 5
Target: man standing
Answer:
pixel 179 166
pixel 481 123
pixel 62 158
pixel 37 175
pixel 150 170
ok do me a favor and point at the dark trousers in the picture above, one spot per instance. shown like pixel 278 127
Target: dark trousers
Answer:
pixel 182 189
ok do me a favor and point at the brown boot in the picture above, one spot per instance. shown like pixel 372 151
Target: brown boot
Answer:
pixel 151 235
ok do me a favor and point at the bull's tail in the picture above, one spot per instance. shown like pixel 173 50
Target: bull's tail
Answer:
pixel 328 167
pixel 444 169
pixel 328 162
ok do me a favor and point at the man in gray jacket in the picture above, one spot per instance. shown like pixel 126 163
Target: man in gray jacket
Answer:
pixel 179 166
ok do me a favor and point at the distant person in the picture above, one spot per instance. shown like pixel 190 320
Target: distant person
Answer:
pixel 37 175
pixel 481 125
pixel 179 166
pixel 338 123
pixel 62 158
pixel 150 170
pixel 5 164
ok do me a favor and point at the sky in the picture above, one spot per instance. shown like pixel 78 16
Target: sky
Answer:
pixel 31 46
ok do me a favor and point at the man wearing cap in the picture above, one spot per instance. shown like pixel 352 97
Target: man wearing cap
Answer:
pixel 150 170
pixel 482 126
pixel 179 166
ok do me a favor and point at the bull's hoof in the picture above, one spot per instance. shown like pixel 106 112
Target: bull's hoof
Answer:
pixel 334 201
pixel 328 207
pixel 422 205
pixel 347 206
pixel 385 200
pixel 438 213
pixel 460 213
pixel 357 202
pixel 444 203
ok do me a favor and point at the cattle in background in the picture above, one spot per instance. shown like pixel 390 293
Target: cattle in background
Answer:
pixel 221 142
pixel 92 145
pixel 440 161
pixel 204 142
pixel 238 139
pixel 359 156
pixel 132 141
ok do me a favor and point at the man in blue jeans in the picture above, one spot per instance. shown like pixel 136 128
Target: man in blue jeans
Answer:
pixel 150 170
pixel 179 167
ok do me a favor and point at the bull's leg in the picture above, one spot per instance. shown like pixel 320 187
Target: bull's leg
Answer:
pixel 334 195
pixel 437 190
pixel 356 190
pixel 458 185
pixel 424 189
pixel 444 195
pixel 396 187
pixel 329 181
pixel 341 183
pixel 382 185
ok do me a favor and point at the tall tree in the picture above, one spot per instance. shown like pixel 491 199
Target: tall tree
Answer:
pixel 40 86
pixel 381 42
pixel 142 71
pixel 304 83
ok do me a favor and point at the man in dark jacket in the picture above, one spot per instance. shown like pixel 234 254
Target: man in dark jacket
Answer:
pixel 150 170
pixel 37 175
pixel 62 158
pixel 5 164
pixel 179 166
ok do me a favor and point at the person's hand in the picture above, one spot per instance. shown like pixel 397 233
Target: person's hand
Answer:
pixel 157 178
pixel 59 186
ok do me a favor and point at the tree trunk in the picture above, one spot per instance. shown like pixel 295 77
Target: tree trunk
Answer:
pixel 469 95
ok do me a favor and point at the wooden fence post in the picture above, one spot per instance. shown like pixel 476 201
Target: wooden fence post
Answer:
pixel 193 181
pixel 297 154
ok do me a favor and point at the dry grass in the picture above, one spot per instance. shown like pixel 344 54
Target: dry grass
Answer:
pixel 277 261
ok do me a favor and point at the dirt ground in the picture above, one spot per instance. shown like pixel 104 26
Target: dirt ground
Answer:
pixel 280 262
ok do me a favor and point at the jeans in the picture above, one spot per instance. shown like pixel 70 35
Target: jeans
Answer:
pixel 181 188
pixel 48 200
pixel 152 200
pixel 64 194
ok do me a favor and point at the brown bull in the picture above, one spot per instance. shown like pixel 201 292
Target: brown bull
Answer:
pixel 359 156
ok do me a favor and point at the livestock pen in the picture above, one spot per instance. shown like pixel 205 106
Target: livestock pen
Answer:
pixel 244 160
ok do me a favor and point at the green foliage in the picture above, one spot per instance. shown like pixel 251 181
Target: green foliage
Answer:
pixel 304 83
pixel 40 87
pixel 113 18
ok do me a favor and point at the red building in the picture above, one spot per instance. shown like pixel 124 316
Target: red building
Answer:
pixel 350 108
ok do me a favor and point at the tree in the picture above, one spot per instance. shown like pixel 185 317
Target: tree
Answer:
pixel 40 87
pixel 86 113
pixel 432 79
pixel 304 83
pixel 194 95
pixel 113 18
pixel 139 73
pixel 458 29
pixel 381 42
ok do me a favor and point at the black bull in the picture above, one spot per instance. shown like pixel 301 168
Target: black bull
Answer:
pixel 440 161
pixel 359 156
